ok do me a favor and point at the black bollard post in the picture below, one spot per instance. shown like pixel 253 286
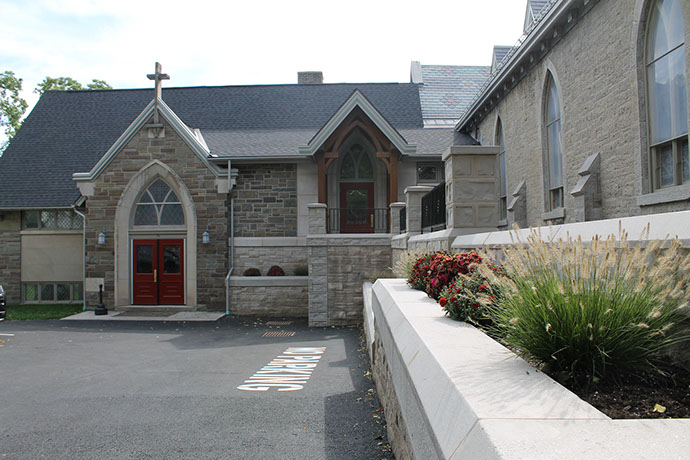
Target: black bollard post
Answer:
pixel 100 309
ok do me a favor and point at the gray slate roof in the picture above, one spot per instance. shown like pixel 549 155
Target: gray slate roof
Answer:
pixel 448 90
pixel 69 131
pixel 537 6
pixel 500 52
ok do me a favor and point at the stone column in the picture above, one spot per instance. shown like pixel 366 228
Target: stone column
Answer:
pixel 471 188
pixel 317 218
pixel 317 250
pixel 396 208
pixel 413 199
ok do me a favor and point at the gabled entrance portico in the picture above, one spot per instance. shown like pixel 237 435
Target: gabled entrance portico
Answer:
pixel 357 155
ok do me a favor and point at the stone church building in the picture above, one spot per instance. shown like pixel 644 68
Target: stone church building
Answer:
pixel 165 197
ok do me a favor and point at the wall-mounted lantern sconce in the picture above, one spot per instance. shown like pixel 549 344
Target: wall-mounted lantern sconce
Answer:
pixel 101 238
pixel 206 237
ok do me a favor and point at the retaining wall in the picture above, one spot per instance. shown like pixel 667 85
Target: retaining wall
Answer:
pixel 451 392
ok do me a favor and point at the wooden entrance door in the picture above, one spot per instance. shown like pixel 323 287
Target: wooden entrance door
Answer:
pixel 158 272
pixel 357 207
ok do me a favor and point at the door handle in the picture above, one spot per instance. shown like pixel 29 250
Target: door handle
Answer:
pixel 155 276
pixel 372 220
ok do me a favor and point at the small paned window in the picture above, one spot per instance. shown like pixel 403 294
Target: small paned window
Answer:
pixel 356 165
pixel 554 147
pixel 51 219
pixel 158 205
pixel 502 179
pixel 667 95
pixel 53 292
pixel 429 173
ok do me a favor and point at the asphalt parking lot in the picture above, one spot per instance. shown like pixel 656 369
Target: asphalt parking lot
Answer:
pixel 105 390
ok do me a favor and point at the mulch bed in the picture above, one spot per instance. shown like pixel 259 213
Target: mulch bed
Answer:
pixel 637 396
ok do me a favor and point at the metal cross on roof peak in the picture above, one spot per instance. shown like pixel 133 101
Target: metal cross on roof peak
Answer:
pixel 158 76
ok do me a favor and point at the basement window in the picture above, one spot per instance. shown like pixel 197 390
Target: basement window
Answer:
pixel 66 292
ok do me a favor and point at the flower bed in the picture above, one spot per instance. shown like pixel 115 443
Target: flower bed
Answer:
pixel 588 315
pixel 462 395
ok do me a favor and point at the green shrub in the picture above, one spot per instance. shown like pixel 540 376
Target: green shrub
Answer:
pixel 302 270
pixel 252 272
pixel 591 310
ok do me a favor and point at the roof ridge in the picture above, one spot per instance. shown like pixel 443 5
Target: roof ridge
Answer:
pixel 277 85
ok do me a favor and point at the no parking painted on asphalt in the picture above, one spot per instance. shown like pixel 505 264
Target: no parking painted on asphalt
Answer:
pixel 287 372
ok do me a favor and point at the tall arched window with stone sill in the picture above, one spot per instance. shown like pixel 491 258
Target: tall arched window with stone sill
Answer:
pixel 502 179
pixel 667 96
pixel 554 182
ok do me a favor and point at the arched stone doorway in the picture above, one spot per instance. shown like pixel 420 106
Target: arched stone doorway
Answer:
pixel 155 240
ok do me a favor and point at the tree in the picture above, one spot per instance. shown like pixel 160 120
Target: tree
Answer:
pixel 68 83
pixel 12 107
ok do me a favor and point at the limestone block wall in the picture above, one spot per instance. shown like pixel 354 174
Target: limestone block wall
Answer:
pixel 338 264
pixel 598 74
pixel 266 200
pixel 283 296
pixel 263 253
pixel 10 255
pixel 211 210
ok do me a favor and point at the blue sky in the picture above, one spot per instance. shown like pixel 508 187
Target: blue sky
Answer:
pixel 235 43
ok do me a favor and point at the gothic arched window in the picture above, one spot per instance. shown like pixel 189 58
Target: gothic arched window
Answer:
pixel 554 146
pixel 158 205
pixel 356 165
pixel 666 85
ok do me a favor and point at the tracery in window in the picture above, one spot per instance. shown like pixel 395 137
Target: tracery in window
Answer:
pixel 158 205
pixel 356 165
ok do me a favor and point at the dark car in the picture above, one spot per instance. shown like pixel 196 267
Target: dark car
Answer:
pixel 2 303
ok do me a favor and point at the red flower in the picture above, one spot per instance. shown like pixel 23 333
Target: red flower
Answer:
pixel 442 301
pixel 483 287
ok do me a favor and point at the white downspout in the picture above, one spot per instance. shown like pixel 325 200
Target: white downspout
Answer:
pixel 83 254
pixel 232 241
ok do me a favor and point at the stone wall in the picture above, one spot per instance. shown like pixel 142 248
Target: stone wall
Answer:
pixel 10 255
pixel 264 257
pixel 210 206
pixel 338 264
pixel 269 296
pixel 396 430
pixel 348 266
pixel 598 74
pixel 266 200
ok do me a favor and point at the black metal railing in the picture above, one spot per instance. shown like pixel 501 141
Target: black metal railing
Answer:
pixel 434 209
pixel 403 220
pixel 358 220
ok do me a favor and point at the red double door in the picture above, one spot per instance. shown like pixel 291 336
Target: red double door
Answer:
pixel 357 203
pixel 158 272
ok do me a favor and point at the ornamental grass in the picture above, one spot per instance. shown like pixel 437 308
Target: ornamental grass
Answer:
pixel 591 310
